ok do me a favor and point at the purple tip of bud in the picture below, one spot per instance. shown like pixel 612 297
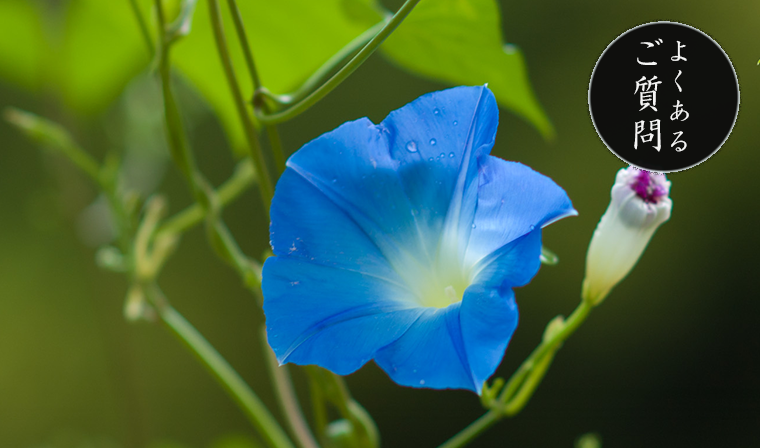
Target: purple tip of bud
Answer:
pixel 649 186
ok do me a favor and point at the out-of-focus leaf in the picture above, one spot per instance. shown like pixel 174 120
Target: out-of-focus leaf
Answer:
pixel 86 51
pixel 289 38
pixel 366 12
pixel 460 42
pixel 102 50
pixel 22 43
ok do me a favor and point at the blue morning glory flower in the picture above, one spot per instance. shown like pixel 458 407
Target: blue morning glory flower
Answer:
pixel 401 242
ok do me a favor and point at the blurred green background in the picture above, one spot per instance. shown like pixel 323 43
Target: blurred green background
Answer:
pixel 671 359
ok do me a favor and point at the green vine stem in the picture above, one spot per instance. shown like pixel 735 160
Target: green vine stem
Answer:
pixel 318 409
pixel 355 62
pixel 242 179
pixel 274 136
pixel 178 145
pixel 266 185
pixel 235 386
pixel 218 234
pixel 339 59
pixel 287 397
pixel 333 389
pixel 143 27
pixel 277 151
pixel 237 19
pixel 519 389
pixel 54 136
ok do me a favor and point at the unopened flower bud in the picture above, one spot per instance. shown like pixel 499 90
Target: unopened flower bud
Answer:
pixel 640 203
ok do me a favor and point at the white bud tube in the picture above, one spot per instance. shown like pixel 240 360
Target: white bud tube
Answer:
pixel 639 204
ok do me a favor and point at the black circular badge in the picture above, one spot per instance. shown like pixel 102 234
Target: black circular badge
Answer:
pixel 663 96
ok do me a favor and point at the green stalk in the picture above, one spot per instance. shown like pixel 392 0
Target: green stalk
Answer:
pixel 287 397
pixel 178 145
pixel 143 27
pixel 343 73
pixel 318 407
pixel 229 379
pixel 266 186
pixel 274 136
pixel 237 19
pixel 218 234
pixel 334 389
pixel 277 151
pixel 55 137
pixel 473 430
pixel 227 193
pixel 570 325
pixel 339 59
pixel 523 395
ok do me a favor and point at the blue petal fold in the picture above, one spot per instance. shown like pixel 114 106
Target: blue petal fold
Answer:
pixel 459 346
pixel 512 201
pixel 488 319
pixel 332 317
pixel 512 265
pixel 431 353
pixel 489 312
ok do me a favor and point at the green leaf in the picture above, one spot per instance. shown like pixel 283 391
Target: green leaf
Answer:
pixel 289 38
pixel 22 43
pixel 85 51
pixel 102 50
pixel 460 42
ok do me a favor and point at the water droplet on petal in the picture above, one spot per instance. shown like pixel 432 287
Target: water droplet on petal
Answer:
pixel 456 122
pixel 422 382
pixel 442 155
pixel 532 227
pixel 411 146
pixel 430 159
pixel 335 179
pixel 474 226
pixel 436 111
pixel 451 155
pixel 432 142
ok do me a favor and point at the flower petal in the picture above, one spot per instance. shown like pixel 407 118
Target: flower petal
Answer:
pixel 488 318
pixel 512 201
pixel 352 167
pixel 512 265
pixel 306 224
pixel 331 317
pixel 489 312
pixel 437 140
pixel 460 346
pixel 431 353
pixel 398 179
